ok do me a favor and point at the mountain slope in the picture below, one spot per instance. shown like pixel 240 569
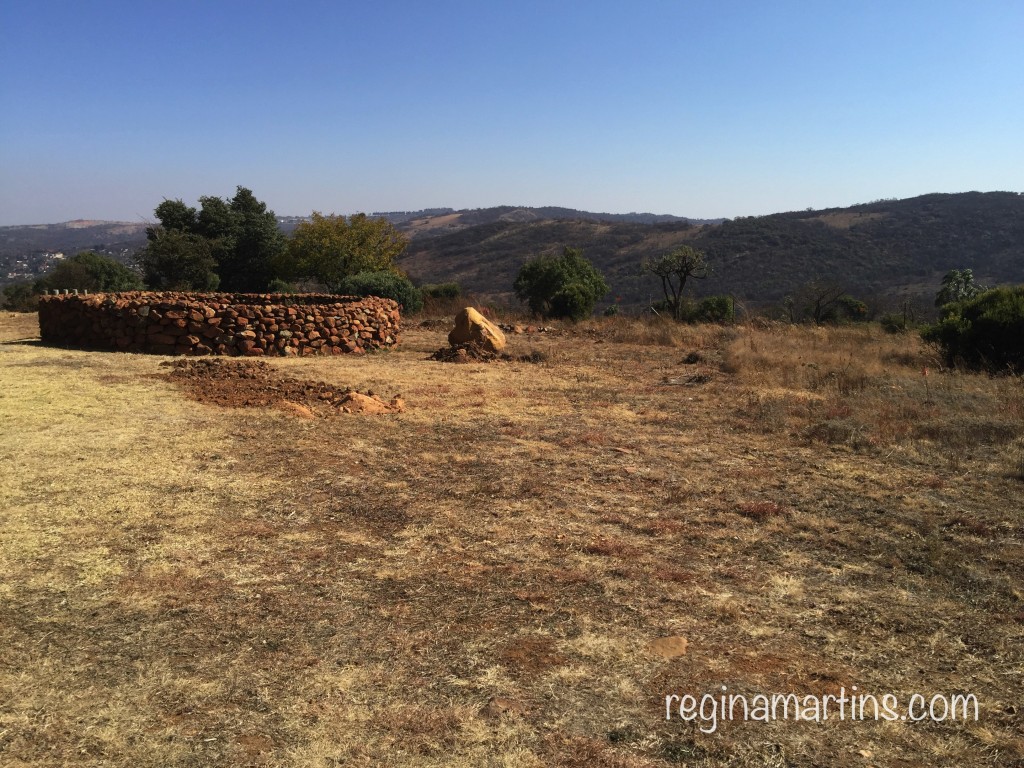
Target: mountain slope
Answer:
pixel 882 248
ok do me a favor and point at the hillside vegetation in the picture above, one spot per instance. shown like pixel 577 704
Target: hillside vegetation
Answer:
pixel 879 249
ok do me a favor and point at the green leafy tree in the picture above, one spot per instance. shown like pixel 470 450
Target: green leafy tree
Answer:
pixel 674 269
pixel 174 214
pixel 175 260
pixel 92 272
pixel 957 285
pixel 564 286
pixel 241 237
pixel 252 244
pixel 983 332
pixel 330 249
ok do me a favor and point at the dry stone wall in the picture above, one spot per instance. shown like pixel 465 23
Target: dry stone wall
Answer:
pixel 220 323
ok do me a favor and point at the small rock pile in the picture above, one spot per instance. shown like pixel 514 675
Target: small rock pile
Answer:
pixel 256 384
pixel 467 353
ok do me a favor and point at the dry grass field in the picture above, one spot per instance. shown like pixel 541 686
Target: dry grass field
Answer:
pixel 478 581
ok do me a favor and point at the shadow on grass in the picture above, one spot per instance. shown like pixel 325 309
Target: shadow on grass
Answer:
pixel 32 342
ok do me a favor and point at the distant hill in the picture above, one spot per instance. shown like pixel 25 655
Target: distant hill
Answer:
pixel 876 250
pixel 437 221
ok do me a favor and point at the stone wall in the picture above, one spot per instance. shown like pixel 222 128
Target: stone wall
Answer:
pixel 219 323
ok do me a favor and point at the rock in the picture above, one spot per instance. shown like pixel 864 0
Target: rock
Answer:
pixel 473 328
pixel 354 402
pixel 669 647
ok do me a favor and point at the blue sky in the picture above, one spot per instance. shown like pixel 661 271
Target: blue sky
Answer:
pixel 700 108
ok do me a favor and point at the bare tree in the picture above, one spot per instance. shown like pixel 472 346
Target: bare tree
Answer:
pixel 674 269
pixel 816 301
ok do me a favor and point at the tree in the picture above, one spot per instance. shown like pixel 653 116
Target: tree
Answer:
pixel 957 285
pixel 822 301
pixel 331 248
pixel 174 214
pixel 175 260
pixel 91 272
pixel 240 236
pixel 250 245
pixel 983 332
pixel 674 269
pixel 564 286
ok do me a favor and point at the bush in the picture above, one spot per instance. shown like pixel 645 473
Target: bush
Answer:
pixel 21 297
pixel 984 332
pixel 387 285
pixel 849 308
pixel 895 322
pixel 277 285
pixel 442 291
pixel 565 286
pixel 715 309
pixel 91 272
pixel 710 309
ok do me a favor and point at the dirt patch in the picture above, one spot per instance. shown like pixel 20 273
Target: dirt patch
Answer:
pixel 256 384
pixel 530 655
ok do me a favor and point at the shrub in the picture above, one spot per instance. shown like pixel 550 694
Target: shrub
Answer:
pixel 442 291
pixel 91 272
pixel 849 308
pixel 895 322
pixel 985 332
pixel 277 285
pixel 387 285
pixel 715 309
pixel 20 297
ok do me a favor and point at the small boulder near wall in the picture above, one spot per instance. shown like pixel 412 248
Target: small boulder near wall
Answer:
pixel 473 328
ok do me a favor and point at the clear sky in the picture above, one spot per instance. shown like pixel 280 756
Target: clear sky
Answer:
pixel 695 108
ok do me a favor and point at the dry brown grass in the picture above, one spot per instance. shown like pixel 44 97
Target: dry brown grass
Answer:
pixel 478 581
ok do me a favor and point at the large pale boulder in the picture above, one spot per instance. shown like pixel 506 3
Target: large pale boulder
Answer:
pixel 473 328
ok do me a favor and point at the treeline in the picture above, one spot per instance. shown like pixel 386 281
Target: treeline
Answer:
pixel 235 245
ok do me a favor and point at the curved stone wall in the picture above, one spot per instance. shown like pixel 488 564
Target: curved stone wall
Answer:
pixel 173 323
